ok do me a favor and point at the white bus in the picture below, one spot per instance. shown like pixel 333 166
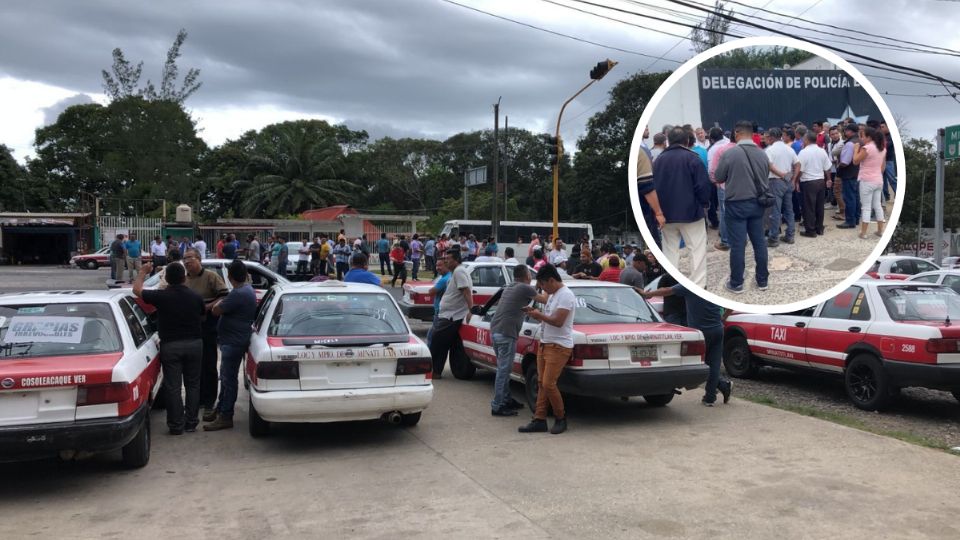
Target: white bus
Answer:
pixel 516 234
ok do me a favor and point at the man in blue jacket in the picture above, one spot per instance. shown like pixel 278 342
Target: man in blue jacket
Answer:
pixel 683 189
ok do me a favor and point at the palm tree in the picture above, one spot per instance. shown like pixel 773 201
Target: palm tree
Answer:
pixel 293 170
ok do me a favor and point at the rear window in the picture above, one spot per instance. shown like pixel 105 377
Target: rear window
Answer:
pixel 921 303
pixel 340 314
pixel 606 305
pixel 36 330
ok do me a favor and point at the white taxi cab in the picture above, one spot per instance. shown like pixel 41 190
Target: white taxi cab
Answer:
pixel 261 278
pixel 78 373
pixel 333 352
pixel 621 348
pixel 487 278
pixel 880 335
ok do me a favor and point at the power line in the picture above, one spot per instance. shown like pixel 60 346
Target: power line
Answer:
pixel 611 18
pixel 953 95
pixel 471 8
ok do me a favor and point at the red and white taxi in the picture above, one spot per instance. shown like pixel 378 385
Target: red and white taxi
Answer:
pixel 621 348
pixel 78 373
pixel 261 277
pixel 899 267
pixel 880 335
pixel 333 352
pixel 487 278
pixel 99 259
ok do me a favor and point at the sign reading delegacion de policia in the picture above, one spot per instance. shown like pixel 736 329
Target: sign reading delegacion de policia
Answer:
pixel 773 97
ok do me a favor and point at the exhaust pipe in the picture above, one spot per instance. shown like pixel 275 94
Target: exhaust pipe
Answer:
pixel 394 417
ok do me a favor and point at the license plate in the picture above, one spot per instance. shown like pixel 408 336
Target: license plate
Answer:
pixel 643 354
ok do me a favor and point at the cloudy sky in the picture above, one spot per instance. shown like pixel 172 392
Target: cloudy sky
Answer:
pixel 407 67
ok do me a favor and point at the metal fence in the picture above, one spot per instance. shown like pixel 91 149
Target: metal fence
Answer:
pixel 108 227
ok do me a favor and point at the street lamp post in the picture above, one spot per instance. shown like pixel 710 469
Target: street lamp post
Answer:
pixel 597 73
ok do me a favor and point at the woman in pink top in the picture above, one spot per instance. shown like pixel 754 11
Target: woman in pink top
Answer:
pixel 871 158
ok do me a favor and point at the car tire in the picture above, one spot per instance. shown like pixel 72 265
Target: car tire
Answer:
pixel 136 453
pixel 460 364
pixel 956 395
pixel 866 383
pixel 659 400
pixel 531 386
pixel 737 358
pixel 411 419
pixel 91 265
pixel 258 426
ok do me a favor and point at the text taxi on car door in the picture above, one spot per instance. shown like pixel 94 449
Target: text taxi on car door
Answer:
pixel 78 374
pixel 486 277
pixel 880 335
pixel 621 348
pixel 333 352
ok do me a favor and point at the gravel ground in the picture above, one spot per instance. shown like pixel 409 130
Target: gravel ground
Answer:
pixel 918 413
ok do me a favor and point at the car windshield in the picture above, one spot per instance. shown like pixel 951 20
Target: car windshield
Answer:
pixel 605 305
pixel 336 314
pixel 921 302
pixel 36 330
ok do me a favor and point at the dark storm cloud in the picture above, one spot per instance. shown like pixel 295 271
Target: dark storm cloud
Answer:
pixel 51 113
pixel 402 67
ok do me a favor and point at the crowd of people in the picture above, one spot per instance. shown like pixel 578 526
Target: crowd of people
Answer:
pixel 757 184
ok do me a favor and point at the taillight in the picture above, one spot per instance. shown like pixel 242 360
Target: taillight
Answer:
pixel 587 352
pixel 693 348
pixel 415 366
pixel 943 345
pixel 284 369
pixel 96 394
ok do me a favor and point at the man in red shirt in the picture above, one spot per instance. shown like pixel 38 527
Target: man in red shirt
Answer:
pixel 612 273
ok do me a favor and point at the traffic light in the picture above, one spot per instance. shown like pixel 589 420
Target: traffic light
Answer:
pixel 601 69
pixel 554 148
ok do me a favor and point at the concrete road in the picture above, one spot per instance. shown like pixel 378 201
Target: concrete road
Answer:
pixel 624 470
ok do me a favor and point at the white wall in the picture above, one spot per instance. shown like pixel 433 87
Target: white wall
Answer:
pixel 681 105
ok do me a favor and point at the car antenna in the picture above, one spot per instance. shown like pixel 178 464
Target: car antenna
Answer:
pixel 947 322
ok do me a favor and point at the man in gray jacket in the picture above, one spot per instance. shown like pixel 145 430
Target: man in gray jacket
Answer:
pixel 505 329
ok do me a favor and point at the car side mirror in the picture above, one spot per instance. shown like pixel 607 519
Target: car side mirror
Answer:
pixel 476 310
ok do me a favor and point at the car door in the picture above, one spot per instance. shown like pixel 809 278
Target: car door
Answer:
pixel 477 340
pixel 924 266
pixel 143 329
pixel 952 281
pixel 486 280
pixel 841 321
pixel 783 338
pixel 259 348
pixel 260 282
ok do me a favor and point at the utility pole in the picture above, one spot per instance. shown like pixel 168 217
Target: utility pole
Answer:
pixel 495 222
pixel 938 203
pixel 506 162
pixel 923 186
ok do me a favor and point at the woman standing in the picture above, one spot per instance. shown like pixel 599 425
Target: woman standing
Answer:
pixel 871 157
pixel 398 259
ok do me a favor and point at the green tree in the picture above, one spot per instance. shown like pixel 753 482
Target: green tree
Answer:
pixel 758 58
pixel 710 32
pixel 125 79
pixel 18 192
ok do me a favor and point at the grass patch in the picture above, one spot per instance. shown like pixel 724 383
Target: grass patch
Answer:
pixel 849 421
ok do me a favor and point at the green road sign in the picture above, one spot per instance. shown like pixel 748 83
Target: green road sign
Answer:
pixel 951 143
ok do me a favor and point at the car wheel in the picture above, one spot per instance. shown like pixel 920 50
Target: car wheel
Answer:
pixel 659 400
pixel 531 386
pixel 737 359
pixel 91 265
pixel 460 364
pixel 956 395
pixel 866 383
pixel 136 453
pixel 410 420
pixel 258 426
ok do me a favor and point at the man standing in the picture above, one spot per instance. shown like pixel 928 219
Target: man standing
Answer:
pixel 708 318
pixel 719 144
pixel 890 167
pixel 455 308
pixel 430 254
pixel 383 253
pixel 315 256
pixel 659 145
pixel 439 287
pixel 282 255
pixel 358 271
pixel 201 247
pixel 587 269
pixel 683 190
pixel 416 252
pixel 220 243
pixel 633 274
pixel 236 312
pixel 179 314
pixel 534 244
pixel 118 258
pixel 784 168
pixel 612 272
pixel 814 179
pixel 834 146
pixel 743 169
pixel 848 172
pixel 132 247
pixel 701 139
pixel 230 248
pixel 210 286
pixel 159 252
pixel 505 329
pixel 303 258
pixel 557 256
pixel 510 258
pixel 253 248
pixel 342 253
pixel 556 347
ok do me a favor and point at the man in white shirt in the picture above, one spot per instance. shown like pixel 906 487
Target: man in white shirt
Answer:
pixel 556 346
pixel 159 251
pixel 702 141
pixel 511 259
pixel 784 169
pixel 557 255
pixel 455 306
pixel 815 167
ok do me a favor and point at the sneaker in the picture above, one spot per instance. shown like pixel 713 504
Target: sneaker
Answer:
pixel 726 391
pixel 514 404
pixel 209 415
pixel 221 422
pixel 503 411
pixel 706 403
pixel 772 242
pixel 190 428
pixel 731 288
pixel 720 246
pixel 535 426
pixel 846 226
pixel 762 286
pixel 786 239
pixel 176 431
pixel 559 426
pixel 808 234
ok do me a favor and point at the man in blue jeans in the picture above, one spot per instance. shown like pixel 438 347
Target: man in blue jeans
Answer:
pixel 890 168
pixel 784 171
pixel 505 329
pixel 742 169
pixel 439 287
pixel 849 172
pixel 708 318
pixel 236 312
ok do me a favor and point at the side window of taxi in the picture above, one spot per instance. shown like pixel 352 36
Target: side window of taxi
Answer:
pixel 926 279
pixel 850 304
pixel 262 309
pixel 136 330
pixel 924 266
pixel 488 276
pixel 149 322
pixel 953 282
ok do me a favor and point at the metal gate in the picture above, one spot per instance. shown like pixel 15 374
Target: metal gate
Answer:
pixel 108 227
